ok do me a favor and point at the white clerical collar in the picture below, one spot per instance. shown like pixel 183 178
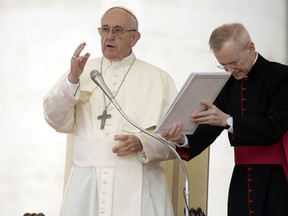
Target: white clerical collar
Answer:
pixel 123 62
pixel 116 64
pixel 255 58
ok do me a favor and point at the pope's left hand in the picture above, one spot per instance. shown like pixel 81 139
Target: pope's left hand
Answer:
pixel 128 144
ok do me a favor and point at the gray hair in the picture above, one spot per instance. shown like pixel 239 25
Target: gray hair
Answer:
pixel 233 31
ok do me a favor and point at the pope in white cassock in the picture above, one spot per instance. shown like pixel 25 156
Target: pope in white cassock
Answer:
pixel 116 168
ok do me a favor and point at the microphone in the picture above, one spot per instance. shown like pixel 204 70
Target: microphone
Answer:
pixel 96 76
pixel 98 79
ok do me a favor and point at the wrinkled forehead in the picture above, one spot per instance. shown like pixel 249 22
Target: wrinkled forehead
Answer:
pixel 229 46
pixel 228 52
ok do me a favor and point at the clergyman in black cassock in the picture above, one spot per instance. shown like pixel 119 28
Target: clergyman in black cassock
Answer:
pixel 253 107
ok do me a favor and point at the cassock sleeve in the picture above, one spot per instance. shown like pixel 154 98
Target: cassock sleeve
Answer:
pixel 154 150
pixel 59 107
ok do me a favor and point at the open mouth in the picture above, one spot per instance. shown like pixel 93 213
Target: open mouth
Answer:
pixel 108 45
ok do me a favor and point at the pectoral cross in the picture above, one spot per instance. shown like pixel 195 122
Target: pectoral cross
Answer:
pixel 103 118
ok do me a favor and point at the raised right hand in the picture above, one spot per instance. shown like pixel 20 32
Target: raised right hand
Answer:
pixel 78 63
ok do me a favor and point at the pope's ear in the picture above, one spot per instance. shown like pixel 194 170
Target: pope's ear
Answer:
pixel 136 36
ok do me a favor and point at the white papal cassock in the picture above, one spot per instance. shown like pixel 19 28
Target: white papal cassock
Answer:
pixel 100 182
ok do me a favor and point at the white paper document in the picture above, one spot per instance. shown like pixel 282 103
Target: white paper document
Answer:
pixel 198 87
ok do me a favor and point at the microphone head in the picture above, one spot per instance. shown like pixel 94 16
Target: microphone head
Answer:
pixel 94 74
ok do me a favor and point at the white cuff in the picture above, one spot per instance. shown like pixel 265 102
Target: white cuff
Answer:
pixel 72 88
pixel 185 144
pixel 230 123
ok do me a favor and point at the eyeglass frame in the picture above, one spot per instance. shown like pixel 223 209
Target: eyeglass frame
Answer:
pixel 114 30
pixel 233 64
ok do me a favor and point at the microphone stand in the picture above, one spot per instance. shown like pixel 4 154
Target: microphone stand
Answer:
pixel 98 79
pixel 186 187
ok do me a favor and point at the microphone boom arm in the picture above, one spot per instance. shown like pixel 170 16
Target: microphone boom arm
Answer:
pixel 186 188
pixel 97 78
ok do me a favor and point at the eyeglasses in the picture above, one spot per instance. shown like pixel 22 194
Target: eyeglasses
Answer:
pixel 233 64
pixel 117 31
pixel 230 65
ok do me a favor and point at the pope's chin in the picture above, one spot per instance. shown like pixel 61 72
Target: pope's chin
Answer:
pixel 110 54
